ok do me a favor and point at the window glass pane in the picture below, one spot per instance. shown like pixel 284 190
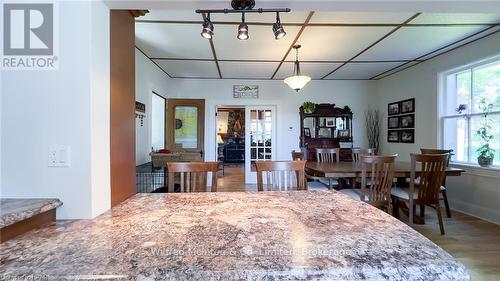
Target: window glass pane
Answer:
pixel 459 92
pixel 186 126
pixel 487 86
pixel 455 131
pixel 478 122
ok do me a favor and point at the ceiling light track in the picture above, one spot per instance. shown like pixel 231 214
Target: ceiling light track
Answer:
pixel 232 11
pixel 243 7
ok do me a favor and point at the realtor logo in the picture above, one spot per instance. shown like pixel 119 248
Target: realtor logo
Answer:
pixel 28 36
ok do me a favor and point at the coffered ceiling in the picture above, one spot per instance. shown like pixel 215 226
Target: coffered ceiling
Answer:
pixel 335 45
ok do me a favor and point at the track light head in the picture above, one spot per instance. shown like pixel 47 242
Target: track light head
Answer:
pixel 242 29
pixel 208 28
pixel 278 30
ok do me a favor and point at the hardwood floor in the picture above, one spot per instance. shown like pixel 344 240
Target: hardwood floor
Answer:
pixel 472 241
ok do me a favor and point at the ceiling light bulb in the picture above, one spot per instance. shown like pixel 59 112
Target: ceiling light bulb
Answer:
pixel 208 29
pixel 278 30
pixel 243 31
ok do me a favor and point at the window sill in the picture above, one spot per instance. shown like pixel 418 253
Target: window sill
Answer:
pixel 476 170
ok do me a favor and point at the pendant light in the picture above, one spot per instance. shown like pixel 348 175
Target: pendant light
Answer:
pixel 297 81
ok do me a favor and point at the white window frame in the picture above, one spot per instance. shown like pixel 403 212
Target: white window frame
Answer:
pixel 442 90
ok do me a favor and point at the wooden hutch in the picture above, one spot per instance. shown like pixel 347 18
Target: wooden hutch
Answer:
pixel 327 127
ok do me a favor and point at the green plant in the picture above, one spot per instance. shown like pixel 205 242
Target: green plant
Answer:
pixel 484 132
pixel 309 106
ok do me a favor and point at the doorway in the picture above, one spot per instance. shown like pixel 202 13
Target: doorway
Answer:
pixel 230 146
pixel 186 127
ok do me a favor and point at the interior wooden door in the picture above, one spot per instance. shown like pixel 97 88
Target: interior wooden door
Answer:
pixel 186 127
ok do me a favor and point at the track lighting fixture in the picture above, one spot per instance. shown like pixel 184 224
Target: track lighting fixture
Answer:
pixel 243 29
pixel 243 7
pixel 208 28
pixel 278 30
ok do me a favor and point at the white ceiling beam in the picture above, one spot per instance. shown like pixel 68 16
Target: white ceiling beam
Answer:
pixel 425 6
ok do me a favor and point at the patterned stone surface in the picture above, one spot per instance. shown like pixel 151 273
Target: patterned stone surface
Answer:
pixel 15 210
pixel 314 235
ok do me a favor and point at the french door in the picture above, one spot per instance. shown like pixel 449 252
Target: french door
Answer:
pixel 260 123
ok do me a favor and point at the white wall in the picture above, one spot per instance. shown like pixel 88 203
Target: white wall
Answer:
pixel 65 106
pixel 474 192
pixel 358 95
pixel 148 78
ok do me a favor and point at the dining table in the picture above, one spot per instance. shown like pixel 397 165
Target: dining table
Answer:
pixel 402 170
pixel 292 235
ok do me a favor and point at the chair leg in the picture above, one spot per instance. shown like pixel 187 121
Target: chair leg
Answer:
pixel 395 209
pixel 422 210
pixel 446 204
pixel 440 218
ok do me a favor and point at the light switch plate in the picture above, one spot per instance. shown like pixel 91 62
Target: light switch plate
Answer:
pixel 59 156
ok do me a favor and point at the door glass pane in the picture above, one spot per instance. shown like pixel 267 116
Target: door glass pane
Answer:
pixel 186 126
pixel 260 135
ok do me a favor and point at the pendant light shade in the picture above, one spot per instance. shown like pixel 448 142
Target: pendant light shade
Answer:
pixel 297 81
pixel 242 29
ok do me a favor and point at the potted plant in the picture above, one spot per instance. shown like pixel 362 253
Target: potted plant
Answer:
pixel 309 107
pixel 485 152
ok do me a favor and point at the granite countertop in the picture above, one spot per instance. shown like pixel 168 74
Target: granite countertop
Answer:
pixel 314 235
pixel 13 210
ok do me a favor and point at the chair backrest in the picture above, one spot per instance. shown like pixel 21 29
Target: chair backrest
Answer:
pixel 438 151
pixel 192 176
pixel 432 173
pixel 297 155
pixel 357 152
pixel 380 171
pixel 328 155
pixel 281 175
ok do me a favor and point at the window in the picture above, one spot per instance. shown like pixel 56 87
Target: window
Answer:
pixel 466 94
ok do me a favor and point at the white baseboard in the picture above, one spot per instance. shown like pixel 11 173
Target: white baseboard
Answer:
pixel 486 214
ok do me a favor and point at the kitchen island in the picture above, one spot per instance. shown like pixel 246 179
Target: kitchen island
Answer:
pixel 314 235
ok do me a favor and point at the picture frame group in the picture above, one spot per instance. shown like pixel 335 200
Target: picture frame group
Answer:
pixel 401 121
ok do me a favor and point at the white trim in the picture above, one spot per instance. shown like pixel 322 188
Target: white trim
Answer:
pixel 476 170
pixel 477 211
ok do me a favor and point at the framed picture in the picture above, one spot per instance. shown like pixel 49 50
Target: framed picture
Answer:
pixel 325 133
pixel 393 108
pixel 408 106
pixel 330 122
pixel 393 122
pixel 343 133
pixel 307 132
pixel 245 91
pixel 408 136
pixel 392 136
pixel 407 121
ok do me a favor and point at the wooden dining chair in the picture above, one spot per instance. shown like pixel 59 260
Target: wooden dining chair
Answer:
pixel 328 155
pixel 377 175
pixel 312 182
pixel 297 155
pixel 192 176
pixel 444 196
pixel 426 190
pixel 281 175
pixel 357 152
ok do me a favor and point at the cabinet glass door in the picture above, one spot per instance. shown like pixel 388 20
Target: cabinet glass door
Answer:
pixel 260 138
